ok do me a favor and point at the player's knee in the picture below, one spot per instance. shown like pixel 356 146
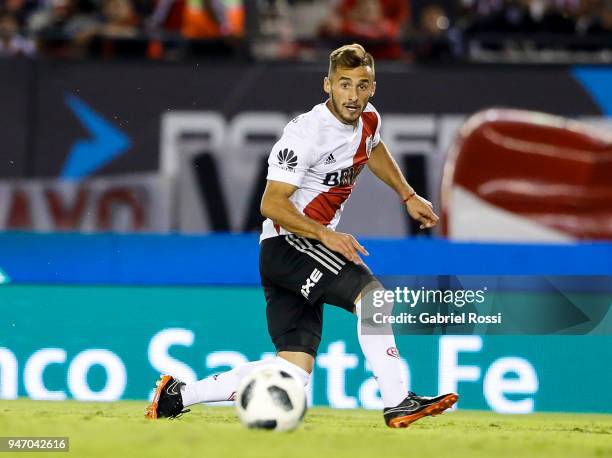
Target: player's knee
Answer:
pixel 373 302
pixel 302 360
pixel 373 297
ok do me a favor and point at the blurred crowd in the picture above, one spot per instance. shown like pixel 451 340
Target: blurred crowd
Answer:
pixel 550 16
pixel 289 28
pixel 68 28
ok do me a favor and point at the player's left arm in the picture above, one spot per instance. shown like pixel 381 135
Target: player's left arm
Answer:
pixel 383 165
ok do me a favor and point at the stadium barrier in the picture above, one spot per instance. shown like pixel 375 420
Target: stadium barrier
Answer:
pixel 97 317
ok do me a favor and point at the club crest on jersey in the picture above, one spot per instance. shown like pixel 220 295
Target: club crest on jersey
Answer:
pixel 392 351
pixel 368 145
pixel 287 159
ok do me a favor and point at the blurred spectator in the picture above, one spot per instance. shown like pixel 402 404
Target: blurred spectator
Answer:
pixel 370 21
pixel 276 34
pixel 233 19
pixel 396 11
pixel 433 30
pixel 11 42
pixel 143 8
pixel 559 17
pixel 587 15
pixel 167 15
pixel 526 16
pixel 213 18
pixel 515 16
pixel 19 9
pixel 199 19
pixel 602 23
pixel 60 18
pixel 433 21
pixel 119 33
pixel 120 20
pixel 61 28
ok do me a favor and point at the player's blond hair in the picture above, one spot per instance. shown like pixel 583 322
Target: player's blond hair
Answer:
pixel 350 56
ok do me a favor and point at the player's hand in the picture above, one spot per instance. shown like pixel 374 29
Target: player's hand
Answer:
pixel 422 210
pixel 342 243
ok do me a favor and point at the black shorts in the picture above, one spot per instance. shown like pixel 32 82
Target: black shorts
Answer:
pixel 299 275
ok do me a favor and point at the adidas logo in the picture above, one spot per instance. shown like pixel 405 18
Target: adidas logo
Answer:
pixel 330 159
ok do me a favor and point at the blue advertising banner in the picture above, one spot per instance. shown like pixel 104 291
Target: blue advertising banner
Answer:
pixel 224 259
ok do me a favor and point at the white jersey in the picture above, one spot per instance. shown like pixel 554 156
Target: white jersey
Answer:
pixel 322 157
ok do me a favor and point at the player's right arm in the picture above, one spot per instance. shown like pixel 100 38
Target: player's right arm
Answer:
pixel 275 204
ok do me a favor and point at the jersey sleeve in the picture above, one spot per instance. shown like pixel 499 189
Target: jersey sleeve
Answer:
pixel 291 157
pixel 376 138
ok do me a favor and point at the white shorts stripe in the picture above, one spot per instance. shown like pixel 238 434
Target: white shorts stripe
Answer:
pixel 331 253
pixel 298 240
pixel 305 243
pixel 322 254
pixel 301 249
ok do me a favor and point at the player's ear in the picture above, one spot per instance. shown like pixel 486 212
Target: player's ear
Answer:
pixel 373 89
pixel 327 85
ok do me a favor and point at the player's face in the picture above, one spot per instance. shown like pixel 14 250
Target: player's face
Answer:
pixel 350 90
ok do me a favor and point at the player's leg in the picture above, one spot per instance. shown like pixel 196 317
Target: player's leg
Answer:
pixel 285 312
pixel 294 325
pixel 222 387
pixel 352 289
pixel 402 407
pixel 311 270
pixel 377 342
pixel 172 396
pixel 299 358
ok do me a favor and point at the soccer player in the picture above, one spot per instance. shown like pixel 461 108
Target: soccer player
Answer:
pixel 304 262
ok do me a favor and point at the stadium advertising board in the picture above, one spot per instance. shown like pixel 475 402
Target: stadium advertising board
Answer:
pixel 180 123
pixel 108 343
pixel 126 203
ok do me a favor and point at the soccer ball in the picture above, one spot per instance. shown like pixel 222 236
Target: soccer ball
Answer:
pixel 271 398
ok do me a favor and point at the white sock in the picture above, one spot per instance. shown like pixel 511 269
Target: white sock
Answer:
pixel 222 387
pixel 378 345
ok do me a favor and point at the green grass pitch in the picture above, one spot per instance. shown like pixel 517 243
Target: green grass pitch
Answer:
pixel 119 430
